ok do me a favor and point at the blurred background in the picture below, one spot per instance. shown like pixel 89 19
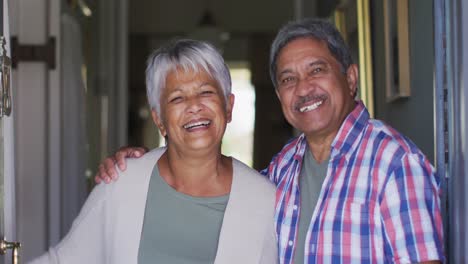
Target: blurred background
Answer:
pixel 78 90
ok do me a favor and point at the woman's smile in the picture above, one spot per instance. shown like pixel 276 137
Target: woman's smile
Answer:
pixel 195 125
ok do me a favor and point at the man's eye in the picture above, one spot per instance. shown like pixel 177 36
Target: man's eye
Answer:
pixel 287 80
pixel 317 70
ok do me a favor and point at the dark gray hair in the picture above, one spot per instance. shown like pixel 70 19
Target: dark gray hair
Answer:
pixel 188 55
pixel 310 28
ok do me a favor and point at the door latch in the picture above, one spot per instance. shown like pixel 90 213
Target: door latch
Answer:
pixel 5 245
pixel 5 69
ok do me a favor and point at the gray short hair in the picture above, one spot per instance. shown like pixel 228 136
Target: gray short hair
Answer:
pixel 310 28
pixel 189 55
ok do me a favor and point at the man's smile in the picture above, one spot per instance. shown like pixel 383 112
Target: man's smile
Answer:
pixel 309 102
pixel 310 107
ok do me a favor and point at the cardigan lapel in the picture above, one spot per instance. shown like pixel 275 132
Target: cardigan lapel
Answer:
pixel 130 203
pixel 241 236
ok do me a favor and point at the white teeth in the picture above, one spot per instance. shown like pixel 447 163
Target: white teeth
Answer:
pixel 200 123
pixel 310 107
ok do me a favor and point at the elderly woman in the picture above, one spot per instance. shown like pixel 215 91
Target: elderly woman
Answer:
pixel 186 202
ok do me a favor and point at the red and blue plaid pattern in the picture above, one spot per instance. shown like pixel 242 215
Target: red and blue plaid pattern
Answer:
pixel 379 202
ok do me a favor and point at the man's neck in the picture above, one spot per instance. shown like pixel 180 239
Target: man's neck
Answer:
pixel 320 145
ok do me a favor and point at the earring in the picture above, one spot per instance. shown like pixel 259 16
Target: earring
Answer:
pixel 163 130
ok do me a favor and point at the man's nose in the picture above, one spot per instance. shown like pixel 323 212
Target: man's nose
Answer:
pixel 303 86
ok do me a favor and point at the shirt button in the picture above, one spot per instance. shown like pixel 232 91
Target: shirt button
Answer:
pixel 290 243
pixel 295 207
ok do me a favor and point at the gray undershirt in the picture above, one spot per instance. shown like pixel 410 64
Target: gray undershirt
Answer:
pixel 179 228
pixel 310 183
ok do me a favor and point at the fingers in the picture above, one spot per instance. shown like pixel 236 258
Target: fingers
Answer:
pixel 106 171
pixel 97 179
pixel 128 152
pixel 101 175
pixel 138 152
pixel 122 154
pixel 109 168
pixel 120 157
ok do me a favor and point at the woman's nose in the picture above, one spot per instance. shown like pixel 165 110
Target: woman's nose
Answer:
pixel 194 105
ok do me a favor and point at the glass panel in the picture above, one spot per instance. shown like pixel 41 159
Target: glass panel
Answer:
pixel 238 139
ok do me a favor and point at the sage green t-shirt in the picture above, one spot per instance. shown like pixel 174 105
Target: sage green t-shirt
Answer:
pixel 310 183
pixel 179 228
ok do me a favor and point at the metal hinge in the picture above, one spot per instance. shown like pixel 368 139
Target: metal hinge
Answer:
pixel 33 53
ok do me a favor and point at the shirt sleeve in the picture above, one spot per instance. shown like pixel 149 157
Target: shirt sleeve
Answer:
pixel 410 211
pixel 270 170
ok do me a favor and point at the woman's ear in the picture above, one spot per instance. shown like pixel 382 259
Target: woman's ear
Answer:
pixel 230 107
pixel 158 123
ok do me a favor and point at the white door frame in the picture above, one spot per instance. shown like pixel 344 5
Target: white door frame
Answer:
pixel 38 122
pixel 9 154
pixel 37 127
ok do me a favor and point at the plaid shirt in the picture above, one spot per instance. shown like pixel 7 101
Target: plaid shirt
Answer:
pixel 379 202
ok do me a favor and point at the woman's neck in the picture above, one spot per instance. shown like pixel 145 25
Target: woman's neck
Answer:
pixel 197 175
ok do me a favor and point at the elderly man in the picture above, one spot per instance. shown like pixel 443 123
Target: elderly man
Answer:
pixel 350 189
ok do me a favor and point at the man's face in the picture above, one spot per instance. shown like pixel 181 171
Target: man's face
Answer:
pixel 316 96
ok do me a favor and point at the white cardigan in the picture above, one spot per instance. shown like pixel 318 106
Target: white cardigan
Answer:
pixel 108 228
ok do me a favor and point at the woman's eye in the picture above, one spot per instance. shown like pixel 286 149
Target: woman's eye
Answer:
pixel 176 99
pixel 207 92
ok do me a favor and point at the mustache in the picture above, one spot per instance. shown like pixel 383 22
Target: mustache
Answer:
pixel 307 98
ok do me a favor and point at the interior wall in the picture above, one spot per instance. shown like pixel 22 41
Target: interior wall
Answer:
pixel 412 116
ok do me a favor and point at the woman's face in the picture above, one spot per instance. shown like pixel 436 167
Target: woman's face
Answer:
pixel 194 113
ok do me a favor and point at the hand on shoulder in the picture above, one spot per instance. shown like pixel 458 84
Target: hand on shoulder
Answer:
pixel 107 171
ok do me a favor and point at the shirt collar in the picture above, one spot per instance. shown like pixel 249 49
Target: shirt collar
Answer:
pixel 300 148
pixel 347 137
pixel 351 130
